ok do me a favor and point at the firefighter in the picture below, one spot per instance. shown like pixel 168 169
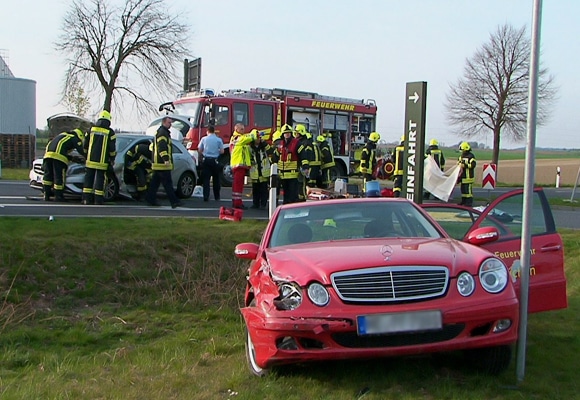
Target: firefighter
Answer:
pixel 138 167
pixel 315 162
pixel 100 148
pixel 260 171
pixel 305 157
pixel 287 158
pixel 327 160
pixel 162 165
pixel 240 161
pixel 398 172
pixel 467 176
pixel 368 159
pixel 56 159
pixel 434 151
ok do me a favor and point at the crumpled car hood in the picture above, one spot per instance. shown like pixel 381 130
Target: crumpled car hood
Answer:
pixel 316 261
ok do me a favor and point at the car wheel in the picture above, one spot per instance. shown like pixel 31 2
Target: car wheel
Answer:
pixel 111 188
pixel 251 357
pixel 490 360
pixel 227 176
pixel 185 185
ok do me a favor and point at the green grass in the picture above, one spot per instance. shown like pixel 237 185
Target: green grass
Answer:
pixel 149 309
pixel 17 174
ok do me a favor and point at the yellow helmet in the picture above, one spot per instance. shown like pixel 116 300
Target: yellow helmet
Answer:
pixel 374 137
pixel 433 142
pixel 286 128
pixel 105 115
pixel 464 146
pixel 301 129
pixel 80 134
pixel 329 222
pixel 321 138
pixel 402 138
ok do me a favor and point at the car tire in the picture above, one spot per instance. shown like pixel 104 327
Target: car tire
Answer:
pixel 251 358
pixel 185 185
pixel 111 188
pixel 489 360
pixel 226 176
pixel 337 171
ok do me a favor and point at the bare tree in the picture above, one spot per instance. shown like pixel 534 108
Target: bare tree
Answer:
pixel 492 95
pixel 110 47
pixel 75 99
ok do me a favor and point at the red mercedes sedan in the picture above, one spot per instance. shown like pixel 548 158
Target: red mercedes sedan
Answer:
pixel 374 277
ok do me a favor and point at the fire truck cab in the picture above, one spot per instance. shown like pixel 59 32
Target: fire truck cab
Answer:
pixel 346 122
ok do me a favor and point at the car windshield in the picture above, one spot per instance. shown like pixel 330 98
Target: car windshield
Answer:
pixel 350 220
pixel 189 110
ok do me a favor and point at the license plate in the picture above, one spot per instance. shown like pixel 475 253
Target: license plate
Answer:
pixel 399 322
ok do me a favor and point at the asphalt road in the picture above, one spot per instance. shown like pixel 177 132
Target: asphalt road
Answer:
pixel 18 199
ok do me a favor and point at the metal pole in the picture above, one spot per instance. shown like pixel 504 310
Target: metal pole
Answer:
pixel 273 189
pixel 528 190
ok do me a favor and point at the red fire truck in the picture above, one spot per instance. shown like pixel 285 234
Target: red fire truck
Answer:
pixel 348 121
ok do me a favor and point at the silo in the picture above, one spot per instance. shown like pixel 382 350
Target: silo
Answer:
pixel 17 119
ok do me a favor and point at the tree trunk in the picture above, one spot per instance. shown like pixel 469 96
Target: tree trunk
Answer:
pixel 495 157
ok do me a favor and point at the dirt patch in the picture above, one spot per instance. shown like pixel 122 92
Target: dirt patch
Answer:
pixel 512 171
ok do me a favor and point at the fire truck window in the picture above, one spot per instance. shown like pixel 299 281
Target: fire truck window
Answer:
pixel 263 115
pixel 222 115
pixel 241 112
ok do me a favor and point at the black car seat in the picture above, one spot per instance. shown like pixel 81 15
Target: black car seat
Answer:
pixel 299 233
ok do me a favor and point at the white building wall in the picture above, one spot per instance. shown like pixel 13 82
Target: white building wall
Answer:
pixel 17 106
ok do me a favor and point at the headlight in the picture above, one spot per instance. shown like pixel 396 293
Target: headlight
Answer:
pixel 493 275
pixel 318 294
pixel 465 284
pixel 290 297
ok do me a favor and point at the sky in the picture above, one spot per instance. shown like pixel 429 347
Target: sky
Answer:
pixel 364 49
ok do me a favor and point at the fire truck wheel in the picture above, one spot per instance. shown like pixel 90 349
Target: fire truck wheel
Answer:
pixel 337 172
pixel 227 177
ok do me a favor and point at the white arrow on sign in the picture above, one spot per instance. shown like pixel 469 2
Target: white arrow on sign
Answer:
pixel 414 97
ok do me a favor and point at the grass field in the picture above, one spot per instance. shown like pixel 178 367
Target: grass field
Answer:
pixel 148 309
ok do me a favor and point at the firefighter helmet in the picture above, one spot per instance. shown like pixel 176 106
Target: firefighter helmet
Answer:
pixel 402 138
pixel 300 129
pixel 105 115
pixel 286 128
pixel 464 146
pixel 321 138
pixel 80 134
pixel 374 137
pixel 433 142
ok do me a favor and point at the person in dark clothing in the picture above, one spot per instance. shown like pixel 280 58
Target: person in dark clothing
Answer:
pixel 138 166
pixel 260 152
pixel 210 148
pixel 305 158
pixel 399 165
pixel 434 151
pixel 56 159
pixel 467 177
pixel 327 160
pixel 368 158
pixel 289 165
pixel 162 156
pixel 100 148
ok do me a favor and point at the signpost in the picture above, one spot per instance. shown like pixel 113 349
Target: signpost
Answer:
pixel 414 157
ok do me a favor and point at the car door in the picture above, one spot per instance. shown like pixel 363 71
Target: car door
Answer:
pixel 547 278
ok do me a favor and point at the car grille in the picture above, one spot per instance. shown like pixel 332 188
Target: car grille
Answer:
pixel 390 284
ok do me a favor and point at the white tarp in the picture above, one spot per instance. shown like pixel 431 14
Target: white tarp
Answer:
pixel 439 184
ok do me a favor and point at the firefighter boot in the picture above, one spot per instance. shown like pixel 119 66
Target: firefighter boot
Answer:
pixel 98 200
pixel 87 199
pixel 469 201
pixel 47 192
pixel 58 196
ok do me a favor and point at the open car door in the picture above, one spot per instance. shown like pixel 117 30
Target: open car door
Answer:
pixel 547 278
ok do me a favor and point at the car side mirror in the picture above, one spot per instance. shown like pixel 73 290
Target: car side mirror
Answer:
pixel 481 236
pixel 246 250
